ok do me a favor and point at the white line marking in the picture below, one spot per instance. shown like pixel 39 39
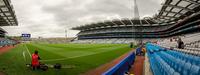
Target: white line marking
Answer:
pixel 28 51
pixel 24 56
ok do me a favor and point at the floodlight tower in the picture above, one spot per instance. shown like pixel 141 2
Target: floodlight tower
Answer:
pixel 136 11
pixel 137 17
pixel 66 33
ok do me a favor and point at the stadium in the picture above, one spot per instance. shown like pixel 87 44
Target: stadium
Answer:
pixel 167 43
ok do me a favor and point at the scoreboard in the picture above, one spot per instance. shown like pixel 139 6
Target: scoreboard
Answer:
pixel 26 37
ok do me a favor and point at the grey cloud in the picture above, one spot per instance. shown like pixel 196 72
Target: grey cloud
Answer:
pixel 34 16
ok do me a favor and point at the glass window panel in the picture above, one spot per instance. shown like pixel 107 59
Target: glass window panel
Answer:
pixel 4 18
pixel 168 8
pixel 1 14
pixel 177 15
pixel 183 3
pixel 192 6
pixel 10 17
pixel 167 18
pixel 174 2
pixel 176 9
pixel 171 14
pixel 7 14
pixel 12 20
pixel 4 9
pixel 164 13
pixel 172 18
pixel 183 11
pixel 2 3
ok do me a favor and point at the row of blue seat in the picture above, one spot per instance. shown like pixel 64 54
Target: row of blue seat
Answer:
pixel 184 68
pixel 167 62
pixel 6 42
pixel 161 67
pixel 185 57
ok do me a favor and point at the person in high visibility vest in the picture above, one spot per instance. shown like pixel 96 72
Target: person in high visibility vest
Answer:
pixel 35 60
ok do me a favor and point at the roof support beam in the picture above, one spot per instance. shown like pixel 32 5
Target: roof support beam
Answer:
pixel 140 22
pixel 164 19
pixel 173 12
pixel 157 20
pixel 114 23
pixel 105 23
pixel 147 21
pixel 191 1
pixel 170 5
pixel 131 21
pixel 168 16
pixel 122 22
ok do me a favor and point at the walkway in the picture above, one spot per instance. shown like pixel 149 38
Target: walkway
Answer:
pixel 138 66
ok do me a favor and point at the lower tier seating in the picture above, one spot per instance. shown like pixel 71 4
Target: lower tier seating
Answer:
pixel 170 62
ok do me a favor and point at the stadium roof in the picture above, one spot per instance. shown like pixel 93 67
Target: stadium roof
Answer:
pixel 174 10
pixel 171 12
pixel 7 14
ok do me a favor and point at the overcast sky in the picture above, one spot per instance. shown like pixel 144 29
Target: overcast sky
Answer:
pixel 50 18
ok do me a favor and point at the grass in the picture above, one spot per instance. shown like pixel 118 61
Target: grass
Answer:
pixel 83 57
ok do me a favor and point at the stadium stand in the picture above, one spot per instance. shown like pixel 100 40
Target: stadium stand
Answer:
pixel 6 42
pixel 176 17
pixel 7 18
pixel 51 40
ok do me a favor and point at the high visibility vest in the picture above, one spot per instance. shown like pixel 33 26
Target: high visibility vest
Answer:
pixel 35 60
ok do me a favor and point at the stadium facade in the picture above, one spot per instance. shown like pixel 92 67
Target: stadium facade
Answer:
pixel 175 18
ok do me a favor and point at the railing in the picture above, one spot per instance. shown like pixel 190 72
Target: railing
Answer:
pixel 122 67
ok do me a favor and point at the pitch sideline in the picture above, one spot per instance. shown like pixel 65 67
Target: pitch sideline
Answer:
pixel 28 51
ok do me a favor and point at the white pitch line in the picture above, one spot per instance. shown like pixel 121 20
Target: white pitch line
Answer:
pixel 28 51
pixel 24 56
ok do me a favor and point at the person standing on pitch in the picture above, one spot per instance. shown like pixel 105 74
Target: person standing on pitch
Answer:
pixel 131 45
pixel 35 60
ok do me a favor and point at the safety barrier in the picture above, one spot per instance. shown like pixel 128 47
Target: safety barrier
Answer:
pixel 122 67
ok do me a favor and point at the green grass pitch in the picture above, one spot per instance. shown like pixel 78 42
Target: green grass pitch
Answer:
pixel 81 57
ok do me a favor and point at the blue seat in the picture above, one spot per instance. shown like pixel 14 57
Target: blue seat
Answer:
pixel 171 71
pixel 176 65
pixel 196 60
pixel 195 70
pixel 176 73
pixel 180 66
pixel 186 69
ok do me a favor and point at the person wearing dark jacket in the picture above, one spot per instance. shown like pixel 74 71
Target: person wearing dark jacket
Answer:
pixel 131 45
pixel 180 44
